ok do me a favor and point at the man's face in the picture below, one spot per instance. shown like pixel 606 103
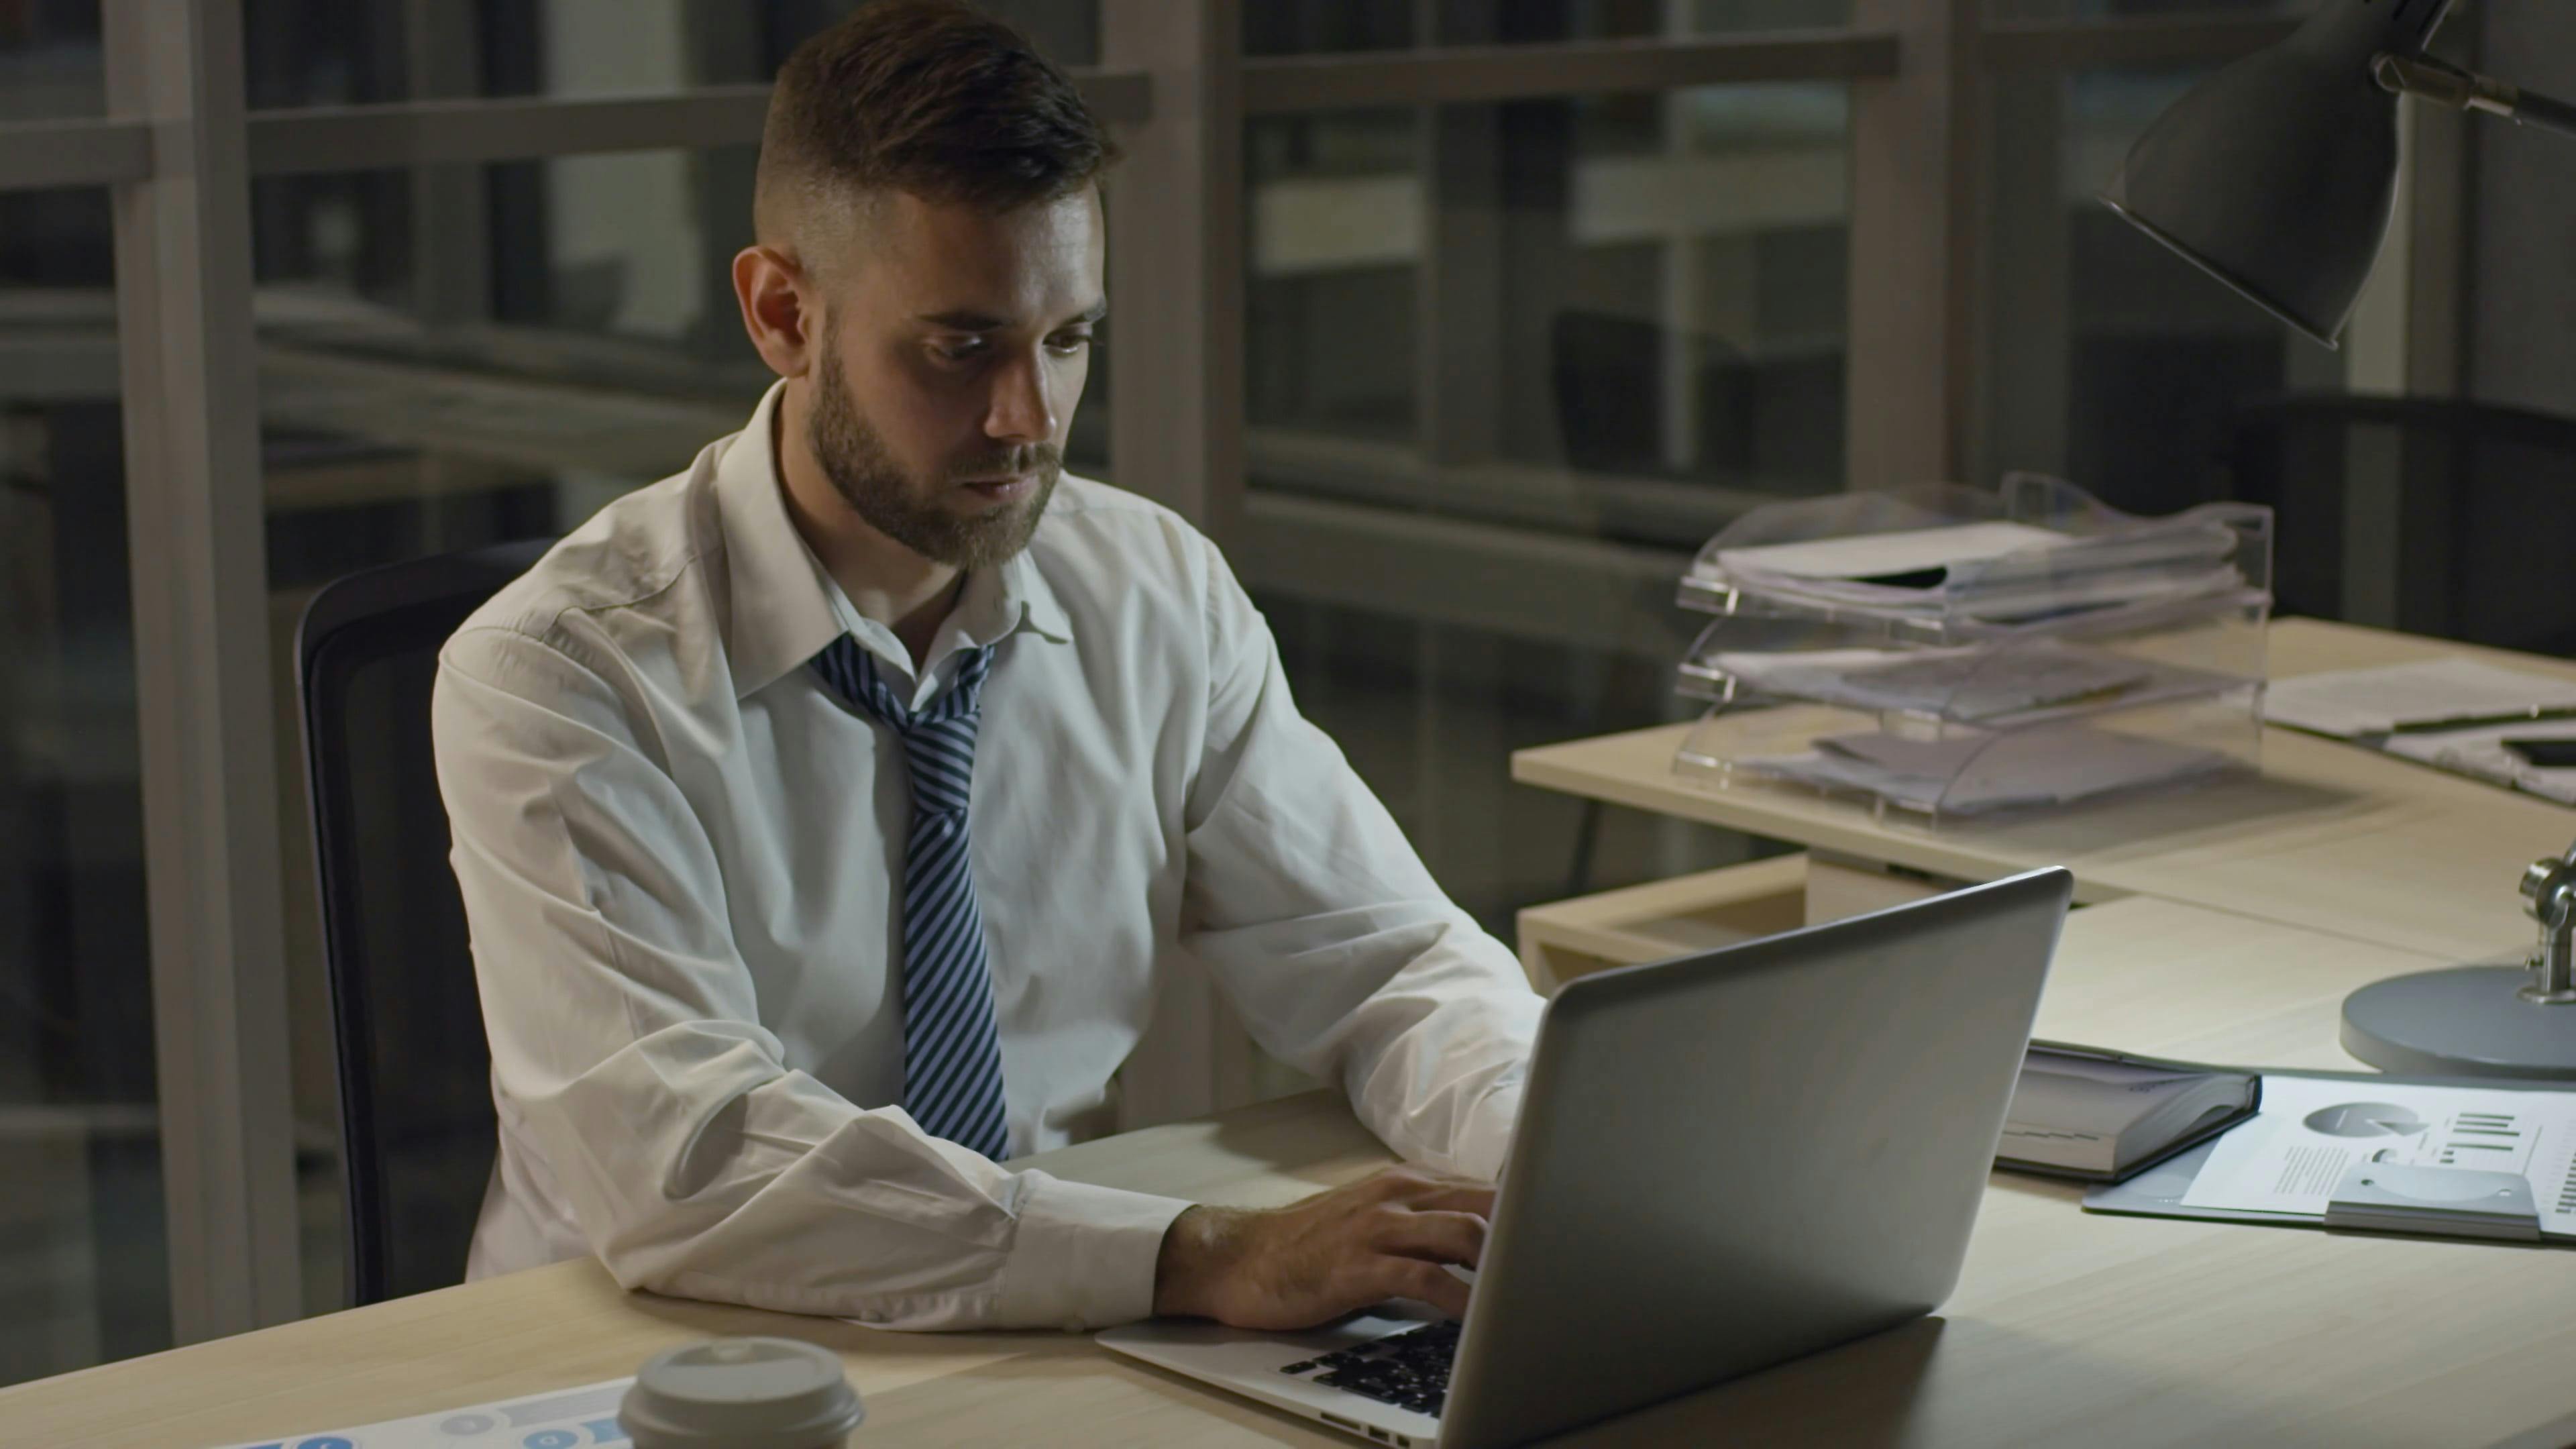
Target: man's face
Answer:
pixel 954 350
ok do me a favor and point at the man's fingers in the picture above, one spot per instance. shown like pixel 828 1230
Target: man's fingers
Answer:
pixel 1457 1197
pixel 1424 1189
pixel 1403 1182
pixel 1426 1281
pixel 1443 1237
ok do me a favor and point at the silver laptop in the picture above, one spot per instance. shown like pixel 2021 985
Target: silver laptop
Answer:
pixel 1723 1162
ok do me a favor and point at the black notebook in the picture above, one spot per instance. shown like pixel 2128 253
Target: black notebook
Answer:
pixel 2103 1116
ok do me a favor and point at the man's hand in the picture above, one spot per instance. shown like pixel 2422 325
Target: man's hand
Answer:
pixel 1294 1267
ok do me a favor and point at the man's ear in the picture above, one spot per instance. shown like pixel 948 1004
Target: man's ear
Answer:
pixel 784 323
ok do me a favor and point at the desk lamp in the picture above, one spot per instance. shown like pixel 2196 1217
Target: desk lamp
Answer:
pixel 2277 176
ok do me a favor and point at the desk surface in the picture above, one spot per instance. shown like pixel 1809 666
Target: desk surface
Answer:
pixel 2333 837
pixel 2066 1327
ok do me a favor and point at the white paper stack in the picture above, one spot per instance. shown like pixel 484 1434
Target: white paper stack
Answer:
pixel 1999 572
pixel 2025 684
pixel 2452 714
pixel 2354 703
pixel 1948 650
pixel 2481 754
pixel 1975 775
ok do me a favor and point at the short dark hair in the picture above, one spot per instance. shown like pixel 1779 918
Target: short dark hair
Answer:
pixel 933 97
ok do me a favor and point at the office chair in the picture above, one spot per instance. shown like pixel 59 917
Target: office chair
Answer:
pixel 417 1125
pixel 1606 373
pixel 2474 507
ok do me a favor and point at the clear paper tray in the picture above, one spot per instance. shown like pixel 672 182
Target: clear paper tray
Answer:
pixel 2100 661
pixel 1942 772
pixel 1946 565
pixel 2023 650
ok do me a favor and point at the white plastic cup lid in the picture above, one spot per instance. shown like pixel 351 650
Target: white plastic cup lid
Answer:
pixel 741 1393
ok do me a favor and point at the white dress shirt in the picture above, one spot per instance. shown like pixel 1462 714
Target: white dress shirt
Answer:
pixel 679 854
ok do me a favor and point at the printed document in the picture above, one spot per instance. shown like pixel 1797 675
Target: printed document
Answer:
pixel 2290 1157
pixel 2480 753
pixel 1963 684
pixel 2354 702
pixel 1883 555
pixel 564 1419
pixel 1989 571
pixel 1973 773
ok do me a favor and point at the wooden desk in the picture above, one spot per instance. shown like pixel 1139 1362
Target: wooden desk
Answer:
pixel 2333 837
pixel 2066 1327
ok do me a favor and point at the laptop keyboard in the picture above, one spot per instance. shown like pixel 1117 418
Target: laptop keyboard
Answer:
pixel 1409 1370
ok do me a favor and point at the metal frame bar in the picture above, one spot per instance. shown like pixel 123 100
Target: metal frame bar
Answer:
pixel 2442 282
pixel 2150 41
pixel 41 155
pixel 1286 85
pixel 1176 259
pixel 447 132
pixel 1176 429
pixel 201 665
pixel 2023 390
pixel 45 154
pixel 426 133
pixel 451 205
pixel 1909 385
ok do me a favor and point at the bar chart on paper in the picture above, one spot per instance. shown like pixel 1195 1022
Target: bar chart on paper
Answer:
pixel 2311 1132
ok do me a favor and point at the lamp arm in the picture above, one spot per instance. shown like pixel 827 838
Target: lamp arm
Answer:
pixel 2439 80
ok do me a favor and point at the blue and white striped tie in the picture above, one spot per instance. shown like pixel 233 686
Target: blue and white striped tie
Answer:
pixel 952 1051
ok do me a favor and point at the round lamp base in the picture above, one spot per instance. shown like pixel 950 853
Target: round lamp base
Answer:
pixel 2464 1021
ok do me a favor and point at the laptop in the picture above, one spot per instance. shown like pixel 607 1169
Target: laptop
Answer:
pixel 1723 1162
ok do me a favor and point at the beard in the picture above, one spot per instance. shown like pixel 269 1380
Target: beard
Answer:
pixel 859 466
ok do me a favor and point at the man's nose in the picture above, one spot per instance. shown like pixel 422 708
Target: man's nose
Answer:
pixel 1023 405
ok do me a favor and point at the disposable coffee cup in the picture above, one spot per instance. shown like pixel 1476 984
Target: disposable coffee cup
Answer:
pixel 741 1393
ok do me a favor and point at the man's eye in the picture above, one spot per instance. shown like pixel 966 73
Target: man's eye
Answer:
pixel 1069 342
pixel 961 349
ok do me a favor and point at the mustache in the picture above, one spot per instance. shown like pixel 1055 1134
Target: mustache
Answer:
pixel 1038 458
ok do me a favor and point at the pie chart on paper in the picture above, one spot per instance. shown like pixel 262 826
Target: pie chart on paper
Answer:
pixel 2365 1119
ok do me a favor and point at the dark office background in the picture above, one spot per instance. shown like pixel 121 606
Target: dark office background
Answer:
pixel 463 354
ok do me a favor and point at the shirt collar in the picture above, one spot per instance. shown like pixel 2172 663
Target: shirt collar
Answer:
pixel 785 607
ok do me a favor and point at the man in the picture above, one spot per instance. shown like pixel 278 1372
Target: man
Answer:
pixel 824 813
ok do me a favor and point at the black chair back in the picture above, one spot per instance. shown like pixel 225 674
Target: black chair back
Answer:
pixel 417 1126
pixel 1607 374
pixel 2455 519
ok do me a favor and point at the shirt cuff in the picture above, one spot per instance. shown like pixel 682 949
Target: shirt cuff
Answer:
pixel 1084 1256
pixel 1487 1141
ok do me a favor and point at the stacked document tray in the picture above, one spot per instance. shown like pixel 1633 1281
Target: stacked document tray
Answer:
pixel 1948 652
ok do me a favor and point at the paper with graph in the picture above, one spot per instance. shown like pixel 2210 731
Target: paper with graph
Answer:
pixel 562 1419
pixel 2289 1158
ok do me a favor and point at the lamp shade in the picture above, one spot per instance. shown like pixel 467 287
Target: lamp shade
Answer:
pixel 2277 175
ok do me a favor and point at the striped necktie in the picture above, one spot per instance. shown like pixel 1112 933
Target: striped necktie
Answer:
pixel 952 1051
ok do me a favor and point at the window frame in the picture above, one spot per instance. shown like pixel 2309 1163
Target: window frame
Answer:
pixel 178 150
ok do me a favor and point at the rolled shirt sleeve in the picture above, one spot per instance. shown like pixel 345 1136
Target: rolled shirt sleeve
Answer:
pixel 627 1047
pixel 1315 915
